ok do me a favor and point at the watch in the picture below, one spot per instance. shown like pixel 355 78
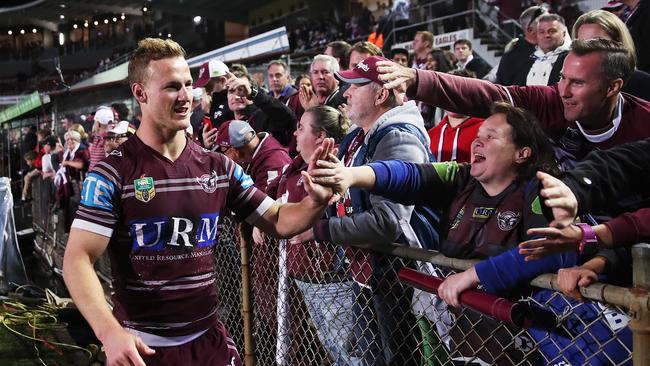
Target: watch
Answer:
pixel 254 91
pixel 589 238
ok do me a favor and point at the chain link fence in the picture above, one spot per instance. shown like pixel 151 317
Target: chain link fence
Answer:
pixel 322 304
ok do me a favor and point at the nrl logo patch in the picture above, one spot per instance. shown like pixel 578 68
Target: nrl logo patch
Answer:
pixel 144 189
pixel 508 220
pixel 115 153
pixel 208 182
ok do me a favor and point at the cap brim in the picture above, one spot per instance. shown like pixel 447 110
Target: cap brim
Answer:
pixel 202 80
pixel 351 77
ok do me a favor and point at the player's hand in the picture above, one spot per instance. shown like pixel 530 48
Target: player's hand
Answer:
pixel 307 97
pixel 451 288
pixel 209 137
pixel 560 199
pixel 552 241
pixel 396 76
pixel 320 194
pixel 124 349
pixel 570 278
pixel 332 173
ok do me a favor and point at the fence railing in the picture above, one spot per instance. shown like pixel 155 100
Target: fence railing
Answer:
pixel 322 304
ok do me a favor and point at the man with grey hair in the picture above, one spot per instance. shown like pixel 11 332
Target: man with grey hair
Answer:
pixel 325 87
pixel 544 67
pixel 280 87
pixel 517 57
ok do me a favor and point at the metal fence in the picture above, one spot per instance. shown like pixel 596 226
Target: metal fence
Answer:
pixel 322 304
pixel 386 322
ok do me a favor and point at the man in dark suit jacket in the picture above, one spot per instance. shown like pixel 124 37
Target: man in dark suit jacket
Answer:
pixel 468 61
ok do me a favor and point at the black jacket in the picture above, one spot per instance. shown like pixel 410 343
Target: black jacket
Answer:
pixel 639 26
pixel 478 66
pixel 605 176
pixel 219 111
pixel 268 114
pixel 513 61
pixel 554 78
pixel 638 85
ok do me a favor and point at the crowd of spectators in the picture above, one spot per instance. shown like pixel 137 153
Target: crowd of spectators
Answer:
pixel 471 149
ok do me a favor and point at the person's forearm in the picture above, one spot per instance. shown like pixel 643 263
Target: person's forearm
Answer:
pixel 456 94
pixel 86 291
pixel 596 264
pixel 295 218
pixel 605 238
pixel 362 177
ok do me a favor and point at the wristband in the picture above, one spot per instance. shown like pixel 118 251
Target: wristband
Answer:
pixel 589 238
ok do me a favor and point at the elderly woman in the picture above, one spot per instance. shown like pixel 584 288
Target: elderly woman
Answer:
pixel 314 267
pixel 74 161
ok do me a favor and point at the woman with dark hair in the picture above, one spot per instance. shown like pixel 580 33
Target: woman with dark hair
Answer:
pixel 303 79
pixel 438 61
pixel 488 203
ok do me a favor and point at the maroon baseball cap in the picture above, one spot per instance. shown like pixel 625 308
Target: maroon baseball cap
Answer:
pixel 364 72
pixel 209 70
pixel 613 6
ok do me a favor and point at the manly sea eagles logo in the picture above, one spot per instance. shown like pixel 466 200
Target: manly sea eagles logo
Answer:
pixel 508 220
pixel 208 182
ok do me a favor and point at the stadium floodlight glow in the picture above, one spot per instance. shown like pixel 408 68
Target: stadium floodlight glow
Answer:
pixel 33 30
pixel 197 19
pixel 62 16
pixel 61 39
pixel 122 16
pixel 169 35
pixel 75 26
pixel 96 22
pixel 144 9
pixel 22 31
pixel 105 21
pixel 86 24
pixel 114 19
pixel 10 32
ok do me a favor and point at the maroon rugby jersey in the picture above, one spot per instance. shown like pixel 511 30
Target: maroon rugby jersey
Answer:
pixel 162 219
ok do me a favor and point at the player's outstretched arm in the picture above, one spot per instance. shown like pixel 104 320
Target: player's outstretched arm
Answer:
pixel 82 250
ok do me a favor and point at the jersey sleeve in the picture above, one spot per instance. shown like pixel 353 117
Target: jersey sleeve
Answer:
pixel 99 202
pixel 246 201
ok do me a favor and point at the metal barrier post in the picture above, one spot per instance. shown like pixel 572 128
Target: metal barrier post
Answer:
pixel 245 232
pixel 640 323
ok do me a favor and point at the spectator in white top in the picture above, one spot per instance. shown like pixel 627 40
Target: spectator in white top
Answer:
pixel 550 52
pixel 104 119
pixel 51 147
